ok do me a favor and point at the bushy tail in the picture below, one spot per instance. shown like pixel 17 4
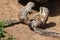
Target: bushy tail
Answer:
pixel 47 33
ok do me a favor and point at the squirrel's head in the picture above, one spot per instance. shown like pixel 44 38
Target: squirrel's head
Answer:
pixel 44 10
pixel 43 13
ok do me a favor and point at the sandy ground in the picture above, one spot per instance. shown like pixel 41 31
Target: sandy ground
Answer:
pixel 9 10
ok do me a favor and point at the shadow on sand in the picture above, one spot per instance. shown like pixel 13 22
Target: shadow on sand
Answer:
pixel 49 25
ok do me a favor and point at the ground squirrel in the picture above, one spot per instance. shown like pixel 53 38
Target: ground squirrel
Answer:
pixel 38 19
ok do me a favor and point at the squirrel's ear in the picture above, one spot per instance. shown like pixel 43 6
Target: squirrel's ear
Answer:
pixel 46 9
pixel 40 9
